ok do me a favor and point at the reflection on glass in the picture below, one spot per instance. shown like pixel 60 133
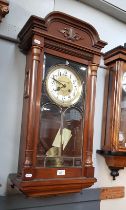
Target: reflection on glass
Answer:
pixel 61 128
pixel 73 122
pixel 124 82
pixel 122 130
pixel 60 140
pixel 50 115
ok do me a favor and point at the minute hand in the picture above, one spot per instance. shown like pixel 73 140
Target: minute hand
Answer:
pixel 59 82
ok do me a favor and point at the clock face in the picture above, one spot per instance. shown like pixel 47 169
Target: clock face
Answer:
pixel 63 85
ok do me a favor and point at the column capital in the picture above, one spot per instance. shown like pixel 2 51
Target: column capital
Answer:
pixel 93 69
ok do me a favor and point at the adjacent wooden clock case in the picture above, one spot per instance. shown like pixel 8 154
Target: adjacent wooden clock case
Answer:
pixel 114 119
pixel 62 58
pixel 4 8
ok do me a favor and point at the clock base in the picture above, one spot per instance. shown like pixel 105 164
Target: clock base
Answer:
pixel 41 187
pixel 114 160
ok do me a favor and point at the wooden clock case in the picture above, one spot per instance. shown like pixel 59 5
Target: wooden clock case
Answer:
pixel 113 151
pixel 66 37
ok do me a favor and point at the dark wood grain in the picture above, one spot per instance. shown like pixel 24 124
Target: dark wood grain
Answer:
pixel 75 40
pixel 112 149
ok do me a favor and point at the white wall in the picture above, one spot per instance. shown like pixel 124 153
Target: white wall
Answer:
pixel 12 75
pixel 19 13
pixel 11 93
pixel 12 81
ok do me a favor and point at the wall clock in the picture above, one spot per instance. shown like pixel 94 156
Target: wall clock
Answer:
pixel 62 58
pixel 114 118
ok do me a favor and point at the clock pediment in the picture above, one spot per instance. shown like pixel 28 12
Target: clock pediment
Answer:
pixel 63 28
pixel 62 58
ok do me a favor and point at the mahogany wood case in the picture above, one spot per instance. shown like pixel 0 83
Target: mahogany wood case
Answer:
pixel 77 41
pixel 114 118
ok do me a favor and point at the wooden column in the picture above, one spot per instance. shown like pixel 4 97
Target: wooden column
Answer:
pixel 92 83
pixel 34 102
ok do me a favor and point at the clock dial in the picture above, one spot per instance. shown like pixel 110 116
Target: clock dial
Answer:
pixel 63 85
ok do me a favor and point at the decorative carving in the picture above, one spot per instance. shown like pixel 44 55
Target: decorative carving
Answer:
pixel 36 53
pixel 28 160
pixel 27 84
pixel 114 172
pixel 37 37
pixel 70 34
pixel 45 25
pixel 4 8
pixel 88 161
pixel 94 68
pixel 69 50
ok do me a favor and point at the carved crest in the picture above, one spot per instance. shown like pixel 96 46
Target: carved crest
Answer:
pixel 70 34
pixel 4 9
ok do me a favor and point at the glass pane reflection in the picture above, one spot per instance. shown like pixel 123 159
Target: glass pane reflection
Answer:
pixel 50 115
pixel 61 128
pixel 60 140
pixel 73 122
pixel 122 130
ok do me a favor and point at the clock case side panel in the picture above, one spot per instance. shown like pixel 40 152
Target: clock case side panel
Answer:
pixel 109 109
pixel 37 38
pixel 25 112
pixel 89 117
pixel 115 60
pixel 114 155
pixel 104 142
pixel 30 115
pixel 119 66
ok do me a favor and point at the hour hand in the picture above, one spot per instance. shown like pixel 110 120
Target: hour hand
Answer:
pixel 59 82
pixel 58 88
